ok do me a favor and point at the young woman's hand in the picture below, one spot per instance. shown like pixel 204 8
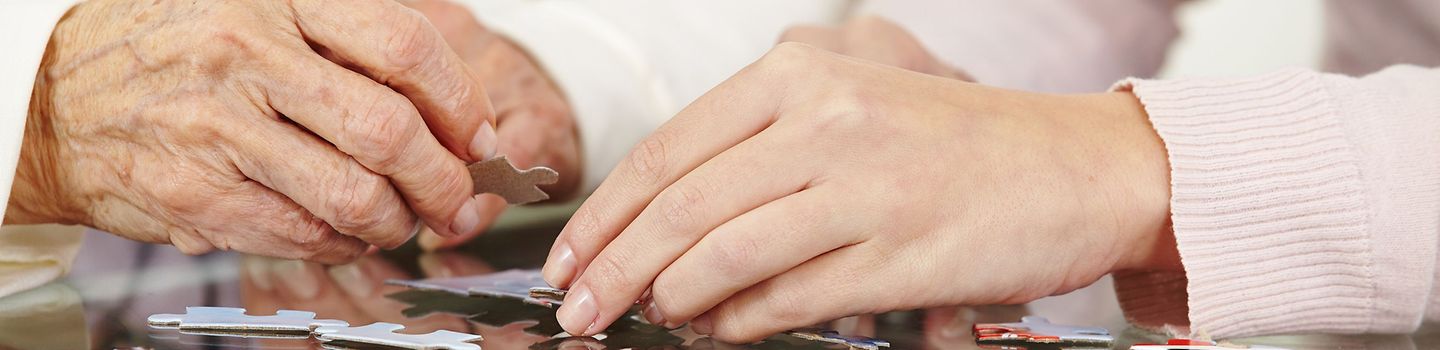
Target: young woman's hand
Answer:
pixel 812 186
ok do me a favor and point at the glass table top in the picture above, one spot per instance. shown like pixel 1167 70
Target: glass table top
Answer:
pixel 116 284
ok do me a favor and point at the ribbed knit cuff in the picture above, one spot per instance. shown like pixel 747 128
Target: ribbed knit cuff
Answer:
pixel 1267 204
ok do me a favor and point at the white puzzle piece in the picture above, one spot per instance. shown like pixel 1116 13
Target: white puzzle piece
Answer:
pixel 232 319
pixel 383 334
pixel 833 337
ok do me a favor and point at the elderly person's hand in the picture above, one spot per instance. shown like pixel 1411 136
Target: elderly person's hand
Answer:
pixel 295 129
pixel 812 186
pixel 534 121
pixel 876 39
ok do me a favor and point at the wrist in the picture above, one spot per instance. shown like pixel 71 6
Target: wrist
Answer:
pixel 1139 188
pixel 36 196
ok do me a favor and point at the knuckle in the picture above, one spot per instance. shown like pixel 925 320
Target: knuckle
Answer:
pixel 611 272
pixel 380 134
pixel 787 306
pixel 647 162
pixel 356 204
pixel 847 111
pixel 788 57
pixel 677 206
pixel 410 40
pixel 736 257
pixel 311 237
pixel 667 294
pixel 730 326
pixel 443 192
pixel 584 226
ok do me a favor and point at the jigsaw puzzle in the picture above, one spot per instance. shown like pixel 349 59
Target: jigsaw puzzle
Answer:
pixel 234 320
pixel 517 186
pixel 833 337
pixel 514 284
pixel 529 287
pixel 1034 329
pixel 1191 344
pixel 384 334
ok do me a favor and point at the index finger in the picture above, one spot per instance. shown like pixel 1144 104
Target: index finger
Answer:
pixel 730 113
pixel 396 46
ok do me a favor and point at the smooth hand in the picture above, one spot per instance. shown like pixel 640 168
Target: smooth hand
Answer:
pixel 294 129
pixel 812 186
pixel 535 123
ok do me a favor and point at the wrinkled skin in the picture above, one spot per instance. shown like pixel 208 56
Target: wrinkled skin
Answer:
pixel 535 124
pixel 812 186
pixel 280 128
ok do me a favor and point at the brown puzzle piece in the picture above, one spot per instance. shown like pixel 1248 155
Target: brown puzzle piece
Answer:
pixel 500 177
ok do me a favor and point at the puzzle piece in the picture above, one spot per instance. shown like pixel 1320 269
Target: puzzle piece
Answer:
pixel 1034 329
pixel 833 337
pixel 491 311
pixel 530 287
pixel 230 319
pixel 383 334
pixel 500 177
pixel 514 284
pixel 1191 344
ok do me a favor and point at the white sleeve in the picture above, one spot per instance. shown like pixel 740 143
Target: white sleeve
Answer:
pixel 627 66
pixel 1041 45
pixel 30 255
pixel 26 26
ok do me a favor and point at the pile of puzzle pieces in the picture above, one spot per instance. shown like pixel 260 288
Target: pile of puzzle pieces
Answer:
pixel 1033 330
pixel 530 287
pixel 291 323
pixel 482 298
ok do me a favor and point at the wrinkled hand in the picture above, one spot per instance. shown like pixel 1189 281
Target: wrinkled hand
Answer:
pixel 876 39
pixel 812 186
pixel 536 125
pixel 294 129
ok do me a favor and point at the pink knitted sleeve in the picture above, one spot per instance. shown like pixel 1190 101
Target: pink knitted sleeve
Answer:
pixel 1302 202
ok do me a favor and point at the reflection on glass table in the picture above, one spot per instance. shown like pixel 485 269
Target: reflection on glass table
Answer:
pixel 116 284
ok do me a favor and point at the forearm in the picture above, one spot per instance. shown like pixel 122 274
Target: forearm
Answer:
pixel 1298 195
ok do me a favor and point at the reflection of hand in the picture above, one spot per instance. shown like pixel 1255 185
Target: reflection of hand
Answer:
pixel 876 39
pixel 237 125
pixel 535 124
pixel 356 293
pixel 812 186
pixel 353 292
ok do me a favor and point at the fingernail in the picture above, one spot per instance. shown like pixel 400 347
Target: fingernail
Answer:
pixel 559 267
pixel 701 325
pixel 467 220
pixel 294 276
pixel 429 241
pixel 578 312
pixel 255 268
pixel 483 146
pixel 653 315
pixel 351 279
pixel 419 226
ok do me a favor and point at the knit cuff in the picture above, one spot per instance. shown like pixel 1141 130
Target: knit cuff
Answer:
pixel 1267 204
